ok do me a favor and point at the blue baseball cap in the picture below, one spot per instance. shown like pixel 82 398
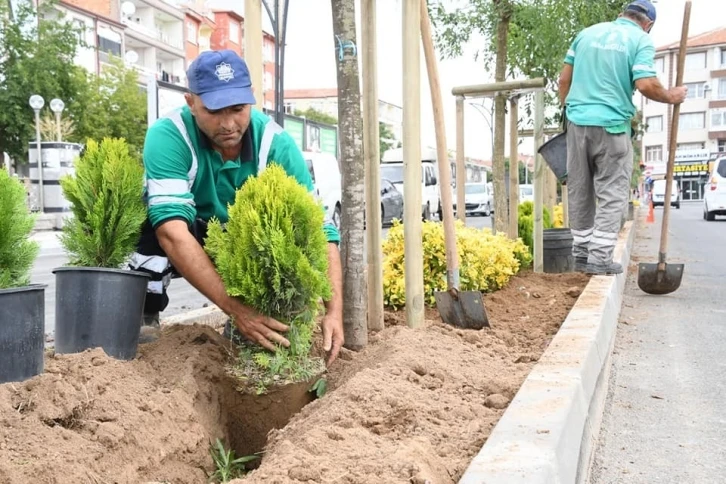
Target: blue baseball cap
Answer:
pixel 644 7
pixel 221 79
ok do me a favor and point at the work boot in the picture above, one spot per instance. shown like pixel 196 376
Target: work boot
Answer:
pixel 150 328
pixel 232 333
pixel 580 264
pixel 608 269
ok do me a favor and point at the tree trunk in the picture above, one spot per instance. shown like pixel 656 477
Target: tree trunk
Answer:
pixel 350 131
pixel 501 209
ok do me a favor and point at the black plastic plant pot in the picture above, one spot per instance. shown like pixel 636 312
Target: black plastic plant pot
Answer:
pixel 22 332
pixel 97 307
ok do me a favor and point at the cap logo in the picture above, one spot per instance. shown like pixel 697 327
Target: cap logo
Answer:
pixel 224 72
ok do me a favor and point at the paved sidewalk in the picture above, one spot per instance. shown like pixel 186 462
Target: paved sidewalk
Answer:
pixel 665 419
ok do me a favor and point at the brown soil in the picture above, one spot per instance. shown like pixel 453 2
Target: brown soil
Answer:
pixel 415 405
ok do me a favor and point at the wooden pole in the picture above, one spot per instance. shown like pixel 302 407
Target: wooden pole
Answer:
pixel 550 190
pixel 513 168
pixel 412 228
pixel 565 211
pixel 371 150
pixel 538 180
pixel 529 133
pixel 479 90
pixel 253 47
pixel 460 165
pixel 452 258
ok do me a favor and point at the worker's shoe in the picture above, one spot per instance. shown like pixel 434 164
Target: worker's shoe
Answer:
pixel 580 264
pixel 604 269
pixel 231 333
pixel 150 328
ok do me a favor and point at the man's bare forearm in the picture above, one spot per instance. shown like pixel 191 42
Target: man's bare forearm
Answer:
pixel 652 89
pixel 335 275
pixel 564 91
pixel 194 265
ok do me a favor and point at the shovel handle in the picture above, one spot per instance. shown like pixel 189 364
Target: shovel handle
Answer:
pixel 673 142
pixel 447 207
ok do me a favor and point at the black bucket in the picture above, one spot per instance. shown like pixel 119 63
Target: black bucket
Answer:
pixel 96 307
pixel 554 153
pixel 557 251
pixel 22 332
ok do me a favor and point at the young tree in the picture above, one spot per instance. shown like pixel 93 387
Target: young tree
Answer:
pixel 350 129
pixel 35 58
pixel 386 138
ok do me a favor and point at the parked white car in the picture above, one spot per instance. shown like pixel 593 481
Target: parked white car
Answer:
pixel 526 193
pixel 659 188
pixel 325 171
pixel 478 199
pixel 714 198
pixel 392 170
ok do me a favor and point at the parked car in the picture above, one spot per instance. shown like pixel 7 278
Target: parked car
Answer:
pixel 526 193
pixel 658 193
pixel 392 170
pixel 714 198
pixel 478 199
pixel 325 172
pixel 391 203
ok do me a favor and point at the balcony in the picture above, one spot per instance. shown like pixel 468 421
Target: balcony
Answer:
pixel 155 37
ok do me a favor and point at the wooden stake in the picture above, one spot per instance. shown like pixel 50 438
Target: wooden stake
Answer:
pixel 538 180
pixel 460 165
pixel 412 235
pixel 480 90
pixel 513 168
pixel 452 258
pixel 565 211
pixel 371 150
pixel 253 47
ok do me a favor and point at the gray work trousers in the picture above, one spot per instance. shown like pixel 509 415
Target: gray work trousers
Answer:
pixel 599 168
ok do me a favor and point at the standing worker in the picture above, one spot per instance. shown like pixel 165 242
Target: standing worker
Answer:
pixel 603 67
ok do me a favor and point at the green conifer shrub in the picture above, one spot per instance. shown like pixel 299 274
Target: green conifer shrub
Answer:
pixel 108 208
pixel 272 254
pixel 525 220
pixel 17 251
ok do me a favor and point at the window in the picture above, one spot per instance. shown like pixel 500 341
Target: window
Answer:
pixel 192 32
pixel 692 121
pixel 689 146
pixel 722 146
pixel 660 64
pixel 268 81
pixel 654 153
pixel 696 90
pixel 109 46
pixel 718 118
pixel 721 94
pixel 696 61
pixel 234 32
pixel 654 124
pixel 723 57
pixel 721 170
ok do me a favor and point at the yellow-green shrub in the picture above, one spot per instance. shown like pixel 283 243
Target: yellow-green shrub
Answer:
pixel 486 261
pixel 558 215
pixel 525 220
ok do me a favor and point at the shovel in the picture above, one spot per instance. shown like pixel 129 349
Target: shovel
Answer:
pixel 663 278
pixel 464 309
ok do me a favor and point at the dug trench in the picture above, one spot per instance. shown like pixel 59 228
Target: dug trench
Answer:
pixel 414 406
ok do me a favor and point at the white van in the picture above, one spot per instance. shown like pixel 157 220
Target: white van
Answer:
pixel 714 192
pixel 659 189
pixel 325 172
pixel 392 170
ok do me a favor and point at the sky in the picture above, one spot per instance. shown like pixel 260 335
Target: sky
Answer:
pixel 310 60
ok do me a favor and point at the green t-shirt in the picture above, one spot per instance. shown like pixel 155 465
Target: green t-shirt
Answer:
pixel 607 59
pixel 186 178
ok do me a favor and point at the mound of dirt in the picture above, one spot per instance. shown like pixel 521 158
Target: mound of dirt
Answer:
pixel 415 405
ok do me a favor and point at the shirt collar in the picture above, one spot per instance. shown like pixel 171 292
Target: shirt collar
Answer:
pixel 626 21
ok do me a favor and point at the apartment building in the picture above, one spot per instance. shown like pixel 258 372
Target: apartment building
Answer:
pixel 702 122
pixel 326 101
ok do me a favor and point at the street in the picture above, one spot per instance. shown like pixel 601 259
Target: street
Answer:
pixel 182 296
pixel 663 419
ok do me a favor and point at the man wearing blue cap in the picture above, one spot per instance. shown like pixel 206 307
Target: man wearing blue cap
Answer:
pixel 195 159
pixel 603 67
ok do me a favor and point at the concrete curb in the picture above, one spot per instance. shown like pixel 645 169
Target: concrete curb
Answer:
pixel 211 316
pixel 548 432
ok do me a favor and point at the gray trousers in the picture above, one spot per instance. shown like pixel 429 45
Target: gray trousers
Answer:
pixel 599 168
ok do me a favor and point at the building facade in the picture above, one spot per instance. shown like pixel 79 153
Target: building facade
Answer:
pixel 702 122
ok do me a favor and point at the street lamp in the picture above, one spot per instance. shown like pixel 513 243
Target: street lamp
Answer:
pixel 37 102
pixel 56 105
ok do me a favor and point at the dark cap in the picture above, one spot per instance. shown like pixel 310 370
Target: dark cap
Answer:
pixel 221 79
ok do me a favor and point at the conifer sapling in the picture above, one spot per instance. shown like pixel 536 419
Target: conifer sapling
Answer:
pixel 17 251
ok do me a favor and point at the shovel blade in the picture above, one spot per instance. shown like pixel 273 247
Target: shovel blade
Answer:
pixel 657 282
pixel 464 310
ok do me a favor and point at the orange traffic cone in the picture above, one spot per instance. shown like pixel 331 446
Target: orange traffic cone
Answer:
pixel 651 214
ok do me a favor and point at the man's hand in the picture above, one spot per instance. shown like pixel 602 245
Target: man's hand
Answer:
pixel 332 336
pixel 678 94
pixel 257 327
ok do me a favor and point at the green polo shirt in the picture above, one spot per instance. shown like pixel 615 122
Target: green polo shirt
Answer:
pixel 187 179
pixel 607 59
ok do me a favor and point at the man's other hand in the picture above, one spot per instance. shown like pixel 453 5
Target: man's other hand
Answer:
pixel 678 94
pixel 259 328
pixel 332 336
